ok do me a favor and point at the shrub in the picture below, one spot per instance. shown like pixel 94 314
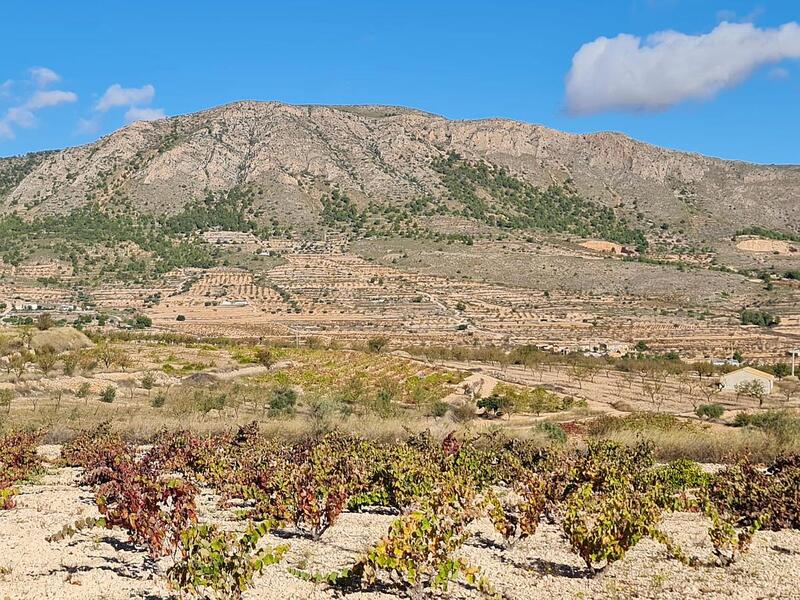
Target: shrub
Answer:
pixel 552 430
pixel 46 358
pixel 382 401
pixel 159 400
pixel 18 460
pixel 180 318
pixel 264 357
pixel 148 381
pixel 420 548
pixel 282 399
pixel 710 411
pixel 205 401
pixel 6 397
pixel 70 361
pixel 780 423
pixel 603 527
pixel 515 520
pixel 141 322
pixel 220 563
pixel 377 343
pixel 680 474
pixel 494 405
pixel 743 498
pixel 83 390
pixel 462 413
pixel 637 422
pixel 108 394
pixel 761 318
pixel 438 408
pixel 153 509
pixel 44 321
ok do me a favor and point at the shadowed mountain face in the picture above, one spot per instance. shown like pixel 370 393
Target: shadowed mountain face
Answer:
pixel 294 155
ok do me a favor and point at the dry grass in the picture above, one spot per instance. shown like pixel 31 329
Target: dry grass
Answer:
pixel 712 445
pixel 60 339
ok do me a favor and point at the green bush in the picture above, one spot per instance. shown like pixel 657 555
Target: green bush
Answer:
pixel 148 381
pixel 438 408
pixel 282 400
pixel 159 400
pixel 142 322
pixel 781 423
pixel 761 318
pixel 494 405
pixel 710 411
pixel 680 474
pixel 108 394
pixel 552 431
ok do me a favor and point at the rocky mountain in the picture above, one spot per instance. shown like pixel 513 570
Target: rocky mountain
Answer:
pixel 295 154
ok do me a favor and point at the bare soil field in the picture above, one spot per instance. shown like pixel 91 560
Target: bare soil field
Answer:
pixel 766 245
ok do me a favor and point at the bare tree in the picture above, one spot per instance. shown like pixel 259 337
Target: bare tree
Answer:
pixel 621 385
pixel 578 373
pixel 653 388
pixel 19 363
pixel 789 388
pixel 704 368
pixel 709 391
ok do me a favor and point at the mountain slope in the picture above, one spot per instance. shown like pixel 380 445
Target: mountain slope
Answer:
pixel 293 155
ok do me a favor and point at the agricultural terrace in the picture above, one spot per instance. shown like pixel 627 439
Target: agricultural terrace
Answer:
pixel 416 292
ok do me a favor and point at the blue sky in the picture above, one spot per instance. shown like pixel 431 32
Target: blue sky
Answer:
pixel 724 96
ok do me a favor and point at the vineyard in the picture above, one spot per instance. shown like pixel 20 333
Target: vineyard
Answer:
pixel 221 515
pixel 352 375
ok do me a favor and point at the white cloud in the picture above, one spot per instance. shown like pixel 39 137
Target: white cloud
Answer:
pixel 19 116
pixel 23 114
pixel 16 116
pixel 669 67
pixel 43 99
pixel 143 114
pixel 42 76
pixel 116 95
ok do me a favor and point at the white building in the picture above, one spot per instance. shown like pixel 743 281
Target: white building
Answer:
pixel 729 381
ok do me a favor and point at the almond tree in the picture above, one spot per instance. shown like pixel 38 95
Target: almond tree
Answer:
pixel 752 389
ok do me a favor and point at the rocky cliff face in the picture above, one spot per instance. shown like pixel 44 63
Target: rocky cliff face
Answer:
pixel 294 154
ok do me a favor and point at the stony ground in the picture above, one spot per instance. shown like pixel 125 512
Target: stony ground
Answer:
pixel 101 564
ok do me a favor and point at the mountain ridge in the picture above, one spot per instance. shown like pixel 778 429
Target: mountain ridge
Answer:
pixel 295 154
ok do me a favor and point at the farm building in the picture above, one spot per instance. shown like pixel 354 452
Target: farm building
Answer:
pixel 729 381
